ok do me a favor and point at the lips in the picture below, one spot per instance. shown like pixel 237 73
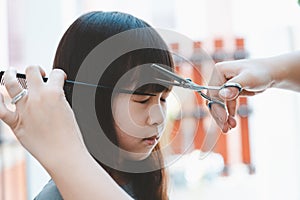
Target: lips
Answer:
pixel 151 140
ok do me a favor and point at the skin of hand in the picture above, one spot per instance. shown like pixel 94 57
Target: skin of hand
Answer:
pixel 40 114
pixel 253 75
pixel 45 125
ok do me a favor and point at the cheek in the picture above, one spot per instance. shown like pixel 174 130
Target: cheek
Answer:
pixel 138 114
pixel 121 113
pixel 125 141
pixel 129 117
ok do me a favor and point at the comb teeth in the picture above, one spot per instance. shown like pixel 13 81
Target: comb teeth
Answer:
pixel 68 86
pixel 23 83
pixel 20 77
pixel 1 78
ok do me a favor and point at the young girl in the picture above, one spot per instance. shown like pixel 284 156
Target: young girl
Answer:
pixel 131 114
pixel 46 126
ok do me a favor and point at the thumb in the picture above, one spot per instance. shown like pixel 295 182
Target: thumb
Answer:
pixel 231 93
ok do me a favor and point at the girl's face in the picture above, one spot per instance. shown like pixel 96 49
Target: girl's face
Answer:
pixel 139 121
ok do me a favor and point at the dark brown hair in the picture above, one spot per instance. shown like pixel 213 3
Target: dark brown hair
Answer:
pixel 80 39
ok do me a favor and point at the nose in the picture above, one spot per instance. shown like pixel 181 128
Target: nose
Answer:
pixel 156 115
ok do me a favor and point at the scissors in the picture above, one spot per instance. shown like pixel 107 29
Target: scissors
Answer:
pixel 189 84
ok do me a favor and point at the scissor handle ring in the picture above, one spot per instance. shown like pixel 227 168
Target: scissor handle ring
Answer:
pixel 214 101
pixel 211 102
pixel 236 85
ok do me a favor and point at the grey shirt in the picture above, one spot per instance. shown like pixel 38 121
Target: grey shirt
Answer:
pixel 50 192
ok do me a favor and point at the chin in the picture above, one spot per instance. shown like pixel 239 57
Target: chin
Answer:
pixel 136 156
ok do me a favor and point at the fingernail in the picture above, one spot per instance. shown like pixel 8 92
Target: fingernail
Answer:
pixel 225 93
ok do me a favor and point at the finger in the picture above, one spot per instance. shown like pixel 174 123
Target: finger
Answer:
pixel 232 73
pixel 219 114
pixel 57 77
pixel 216 79
pixel 232 122
pixel 248 82
pixel 229 93
pixel 34 76
pixel 11 82
pixel 228 69
pixel 249 93
pixel 225 127
pixel 231 107
pixel 6 115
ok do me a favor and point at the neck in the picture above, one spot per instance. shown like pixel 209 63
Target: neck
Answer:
pixel 120 178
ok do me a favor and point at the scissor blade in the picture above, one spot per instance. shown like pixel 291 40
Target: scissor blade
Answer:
pixel 181 81
pixel 169 74
pixel 209 87
pixel 169 83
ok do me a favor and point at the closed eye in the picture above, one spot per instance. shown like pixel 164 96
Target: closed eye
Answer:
pixel 163 100
pixel 144 101
pixel 141 101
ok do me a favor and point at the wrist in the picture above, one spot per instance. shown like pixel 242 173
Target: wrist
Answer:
pixel 277 70
pixel 285 71
pixel 65 153
pixel 67 159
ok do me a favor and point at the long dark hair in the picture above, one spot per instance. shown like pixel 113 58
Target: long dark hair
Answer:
pixel 80 39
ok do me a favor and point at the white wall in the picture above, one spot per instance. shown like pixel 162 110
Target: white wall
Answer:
pixel 3 35
pixel 42 28
pixel 270 27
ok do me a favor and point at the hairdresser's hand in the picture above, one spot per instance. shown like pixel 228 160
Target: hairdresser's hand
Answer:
pixel 43 121
pixel 45 125
pixel 253 75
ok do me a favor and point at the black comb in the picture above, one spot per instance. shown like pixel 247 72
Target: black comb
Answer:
pixel 69 83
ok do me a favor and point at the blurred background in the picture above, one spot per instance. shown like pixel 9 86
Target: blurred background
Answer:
pixel 260 159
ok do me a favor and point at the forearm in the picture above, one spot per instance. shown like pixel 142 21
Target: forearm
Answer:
pixel 45 125
pixel 79 177
pixel 286 71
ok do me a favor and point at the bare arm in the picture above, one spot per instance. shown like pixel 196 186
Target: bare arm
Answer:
pixel 45 125
pixel 256 75
pixel 286 71
pixel 78 176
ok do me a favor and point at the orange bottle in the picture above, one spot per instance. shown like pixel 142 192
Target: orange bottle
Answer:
pixel 219 53
pixel 243 110
pixel 221 146
pixel 200 113
pixel 176 136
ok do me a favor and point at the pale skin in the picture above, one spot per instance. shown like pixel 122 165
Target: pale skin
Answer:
pixel 54 149
pixel 255 76
pixel 138 117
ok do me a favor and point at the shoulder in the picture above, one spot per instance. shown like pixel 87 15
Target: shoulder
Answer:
pixel 49 192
